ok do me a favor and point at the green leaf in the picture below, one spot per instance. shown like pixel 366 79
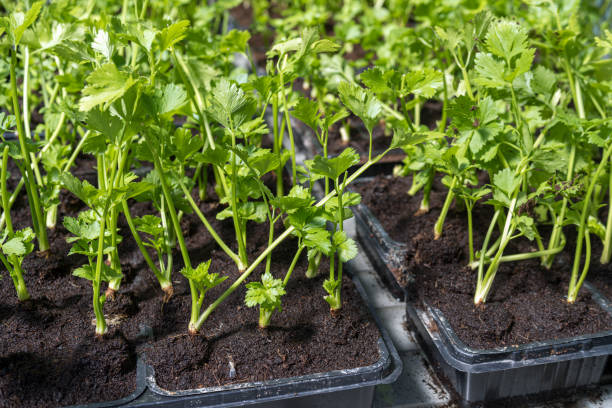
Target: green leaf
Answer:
pixel 361 102
pixel 423 83
pixel 403 137
pixel 345 246
pixel 172 34
pixel 506 181
pixel 604 42
pixel 102 44
pixel 170 99
pixel 266 294
pixel 107 274
pixel 235 41
pixel 334 167
pixel 490 71
pixel 526 225
pixel 82 189
pixel 298 197
pixel 183 144
pixel 104 122
pixel 149 224
pixel 19 22
pixel 325 45
pixel 229 105
pixel 543 80
pixel 262 161
pixel 254 211
pixel 84 226
pixel 105 85
pixel 506 39
pixel 14 246
pixel 307 111
pixel 318 238
pixel 382 83
pixel 201 276
pixel 218 156
pixel 85 272
pixel 330 286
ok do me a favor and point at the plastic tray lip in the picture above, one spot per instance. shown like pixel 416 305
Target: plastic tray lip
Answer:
pixel 141 385
pixel 384 371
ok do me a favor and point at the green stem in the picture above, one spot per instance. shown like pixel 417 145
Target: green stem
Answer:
pixel 447 202
pixel 468 206
pixel 98 301
pixel 164 282
pixel 607 249
pixel 270 238
pixel 76 151
pixel 240 233
pixel 521 257
pixel 558 227
pixel 424 207
pixel 12 201
pixel 290 130
pixel 487 282
pixel 574 286
pixel 274 244
pixel 195 95
pixel 466 80
pixel 6 207
pixel 20 285
pixel 587 260
pixel 211 230
pixel 276 146
pixel 483 251
pixel 38 220
pixel 179 236
pixel 264 317
pixel 370 146
pixel 292 266
pixel 442 125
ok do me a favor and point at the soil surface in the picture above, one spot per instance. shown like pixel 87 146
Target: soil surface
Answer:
pixel 50 357
pixel 526 303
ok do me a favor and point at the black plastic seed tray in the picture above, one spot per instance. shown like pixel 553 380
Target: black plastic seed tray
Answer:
pixel 141 385
pixel 386 254
pixel 516 371
pixel 351 388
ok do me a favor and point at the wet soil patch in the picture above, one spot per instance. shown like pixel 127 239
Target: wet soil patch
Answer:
pixel 526 303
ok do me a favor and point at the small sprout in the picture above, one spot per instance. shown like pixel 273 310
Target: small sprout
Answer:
pixel 267 295
pixel 203 281
pixel 15 247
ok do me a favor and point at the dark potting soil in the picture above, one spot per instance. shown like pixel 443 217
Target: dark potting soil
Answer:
pixel 303 339
pixel 49 355
pixel 526 303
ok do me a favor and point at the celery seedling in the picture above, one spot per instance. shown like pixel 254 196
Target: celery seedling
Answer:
pixel 337 208
pixel 18 244
pixel 17 23
pixel 15 247
pixel 92 239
